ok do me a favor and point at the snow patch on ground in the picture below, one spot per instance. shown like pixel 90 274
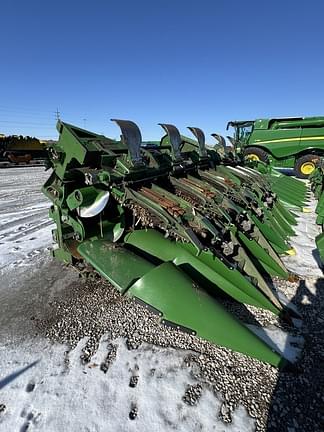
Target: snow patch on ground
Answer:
pixel 287 345
pixel 54 395
pixel 305 262
pixel 24 224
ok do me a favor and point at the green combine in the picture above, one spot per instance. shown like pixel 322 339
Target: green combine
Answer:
pixel 173 227
pixel 296 142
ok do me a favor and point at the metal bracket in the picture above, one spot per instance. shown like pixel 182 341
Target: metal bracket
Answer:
pixel 133 139
pixel 175 140
pixel 147 306
pixel 199 134
pixel 220 139
pixel 231 140
pixel 176 326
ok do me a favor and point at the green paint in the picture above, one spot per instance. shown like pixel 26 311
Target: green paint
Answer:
pixel 283 139
pixel 164 227
pixel 204 265
pixel 172 293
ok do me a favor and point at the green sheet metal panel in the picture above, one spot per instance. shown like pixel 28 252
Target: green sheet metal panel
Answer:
pixel 116 264
pixel 319 240
pixel 232 282
pixel 183 303
pixel 167 290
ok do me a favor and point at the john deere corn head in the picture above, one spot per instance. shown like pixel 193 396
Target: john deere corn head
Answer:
pixel 317 185
pixel 292 192
pixel 173 227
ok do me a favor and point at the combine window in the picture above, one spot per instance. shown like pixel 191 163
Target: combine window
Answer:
pixel 244 132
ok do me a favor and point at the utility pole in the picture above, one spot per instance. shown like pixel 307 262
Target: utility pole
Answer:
pixel 57 114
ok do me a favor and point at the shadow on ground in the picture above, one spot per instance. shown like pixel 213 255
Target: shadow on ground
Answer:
pixel 298 399
pixel 8 379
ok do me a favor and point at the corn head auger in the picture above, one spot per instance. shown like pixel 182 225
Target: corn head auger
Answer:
pixel 172 227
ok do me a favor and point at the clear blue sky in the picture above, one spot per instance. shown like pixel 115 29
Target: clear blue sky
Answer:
pixel 198 63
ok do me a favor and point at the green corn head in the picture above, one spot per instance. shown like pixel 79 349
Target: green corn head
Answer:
pixel 172 227
pixel 317 186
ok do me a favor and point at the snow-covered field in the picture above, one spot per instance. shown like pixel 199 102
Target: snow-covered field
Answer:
pixel 44 386
pixel 24 222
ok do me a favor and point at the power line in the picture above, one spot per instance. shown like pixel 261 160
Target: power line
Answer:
pixel 24 110
pixel 27 123
pixel 25 117
pixel 6 116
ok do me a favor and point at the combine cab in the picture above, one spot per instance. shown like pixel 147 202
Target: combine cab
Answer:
pixel 21 151
pixel 171 227
pixel 282 142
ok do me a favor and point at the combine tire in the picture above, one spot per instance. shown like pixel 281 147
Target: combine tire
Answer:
pixel 305 165
pixel 256 154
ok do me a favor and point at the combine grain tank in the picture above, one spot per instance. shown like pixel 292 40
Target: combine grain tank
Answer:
pixel 293 142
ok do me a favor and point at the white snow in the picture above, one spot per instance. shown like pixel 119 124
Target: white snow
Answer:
pixel 83 398
pixel 305 263
pixel 287 345
pixel 24 224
